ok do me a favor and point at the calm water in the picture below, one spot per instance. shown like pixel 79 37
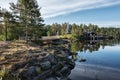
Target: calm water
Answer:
pixel 101 60
pixel 99 53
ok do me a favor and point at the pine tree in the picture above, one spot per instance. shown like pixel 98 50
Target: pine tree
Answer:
pixel 28 14
pixel 6 18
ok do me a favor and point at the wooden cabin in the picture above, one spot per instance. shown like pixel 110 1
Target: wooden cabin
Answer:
pixel 90 36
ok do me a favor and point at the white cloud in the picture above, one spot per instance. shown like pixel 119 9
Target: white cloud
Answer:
pixel 102 23
pixel 51 8
pixel 5 3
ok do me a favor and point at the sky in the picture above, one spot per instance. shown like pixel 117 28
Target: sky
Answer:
pixel 100 12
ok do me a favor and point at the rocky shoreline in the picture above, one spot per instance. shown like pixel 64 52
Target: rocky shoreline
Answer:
pixel 49 63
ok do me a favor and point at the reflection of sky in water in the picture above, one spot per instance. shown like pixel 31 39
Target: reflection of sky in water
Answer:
pixel 109 56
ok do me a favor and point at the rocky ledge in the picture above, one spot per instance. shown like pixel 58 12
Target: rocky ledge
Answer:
pixel 51 63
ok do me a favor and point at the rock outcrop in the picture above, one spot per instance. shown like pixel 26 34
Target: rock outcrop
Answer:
pixel 51 63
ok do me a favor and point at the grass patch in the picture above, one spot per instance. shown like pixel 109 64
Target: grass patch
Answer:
pixel 4 75
pixel 67 36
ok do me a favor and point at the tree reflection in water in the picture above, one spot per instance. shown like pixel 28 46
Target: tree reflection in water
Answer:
pixel 89 45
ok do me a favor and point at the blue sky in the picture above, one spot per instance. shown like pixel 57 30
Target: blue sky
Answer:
pixel 100 12
pixel 105 16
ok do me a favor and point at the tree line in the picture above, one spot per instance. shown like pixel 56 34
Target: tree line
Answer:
pixel 23 21
pixel 78 30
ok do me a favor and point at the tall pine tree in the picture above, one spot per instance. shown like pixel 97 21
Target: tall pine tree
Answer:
pixel 5 19
pixel 28 15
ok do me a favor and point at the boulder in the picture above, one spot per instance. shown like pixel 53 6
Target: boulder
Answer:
pixel 45 65
pixel 38 70
pixel 70 63
pixel 28 74
pixel 65 71
pixel 53 59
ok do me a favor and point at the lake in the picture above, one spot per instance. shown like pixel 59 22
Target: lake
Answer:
pixel 101 60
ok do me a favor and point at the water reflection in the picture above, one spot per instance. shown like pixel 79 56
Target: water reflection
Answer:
pixel 104 52
pixel 102 60
pixel 91 46
pixel 94 59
